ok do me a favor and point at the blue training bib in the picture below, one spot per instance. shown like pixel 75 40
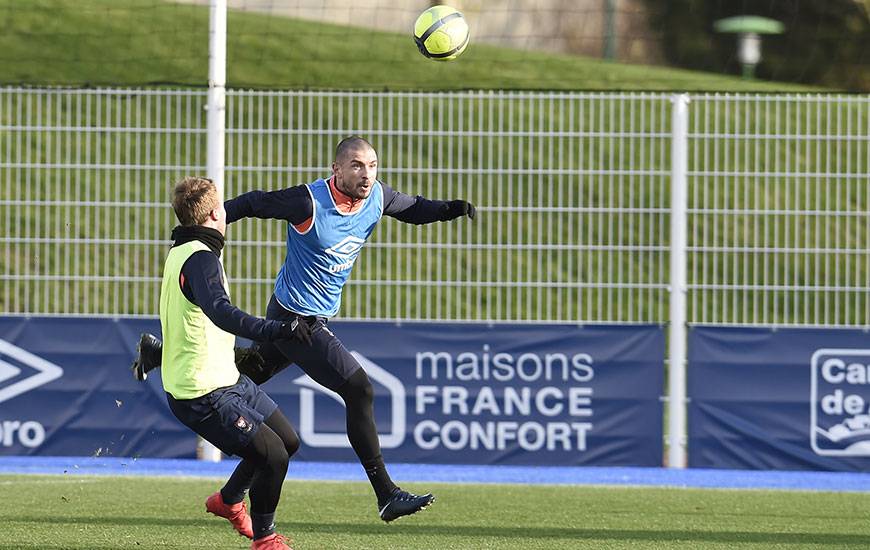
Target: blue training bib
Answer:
pixel 319 261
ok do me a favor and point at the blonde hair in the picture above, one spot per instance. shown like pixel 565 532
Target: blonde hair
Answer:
pixel 193 200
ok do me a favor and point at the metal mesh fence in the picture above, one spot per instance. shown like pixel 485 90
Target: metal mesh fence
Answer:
pixel 84 177
pixel 779 210
pixel 572 190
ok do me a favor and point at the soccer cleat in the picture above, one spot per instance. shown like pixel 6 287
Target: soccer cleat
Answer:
pixel 237 514
pixel 149 355
pixel 402 503
pixel 272 542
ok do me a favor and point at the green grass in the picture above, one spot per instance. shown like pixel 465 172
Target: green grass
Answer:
pixel 54 512
pixel 136 42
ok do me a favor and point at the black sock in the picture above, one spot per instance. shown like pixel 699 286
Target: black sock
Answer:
pixel 263 524
pixel 379 478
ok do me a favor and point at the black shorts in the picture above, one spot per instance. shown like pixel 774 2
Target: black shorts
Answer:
pixel 227 417
pixel 326 360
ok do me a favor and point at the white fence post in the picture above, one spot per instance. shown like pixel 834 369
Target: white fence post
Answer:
pixel 677 287
pixel 217 93
pixel 215 128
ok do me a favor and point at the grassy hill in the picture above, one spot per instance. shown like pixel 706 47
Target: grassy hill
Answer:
pixel 147 42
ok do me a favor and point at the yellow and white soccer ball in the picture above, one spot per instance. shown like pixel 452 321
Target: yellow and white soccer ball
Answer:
pixel 441 33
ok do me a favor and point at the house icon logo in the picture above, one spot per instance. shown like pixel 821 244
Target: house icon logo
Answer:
pixel 307 425
pixel 12 383
pixel 840 402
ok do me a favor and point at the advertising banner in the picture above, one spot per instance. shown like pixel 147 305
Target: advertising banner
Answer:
pixel 66 390
pixel 444 393
pixel 779 399
pixel 504 394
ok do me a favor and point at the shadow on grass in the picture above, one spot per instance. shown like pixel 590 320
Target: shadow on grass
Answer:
pixel 569 533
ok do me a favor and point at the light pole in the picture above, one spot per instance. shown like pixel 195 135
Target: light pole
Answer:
pixel 749 28
pixel 610 29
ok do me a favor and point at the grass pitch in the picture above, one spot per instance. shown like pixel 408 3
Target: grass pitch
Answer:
pixel 53 512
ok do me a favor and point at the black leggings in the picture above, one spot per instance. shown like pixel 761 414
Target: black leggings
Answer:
pixel 358 396
pixel 264 465
pixel 356 391
pixel 331 365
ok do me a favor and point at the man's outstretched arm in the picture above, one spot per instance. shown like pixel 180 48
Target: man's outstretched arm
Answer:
pixel 203 285
pixel 292 204
pixel 419 210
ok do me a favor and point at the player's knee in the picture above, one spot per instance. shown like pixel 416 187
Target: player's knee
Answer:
pixel 291 444
pixel 273 453
pixel 358 390
pixel 278 459
pixel 366 392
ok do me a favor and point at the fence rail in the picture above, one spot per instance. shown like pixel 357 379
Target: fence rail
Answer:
pixel 573 191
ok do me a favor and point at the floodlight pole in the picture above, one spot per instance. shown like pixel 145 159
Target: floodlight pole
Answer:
pixel 215 128
pixel 677 287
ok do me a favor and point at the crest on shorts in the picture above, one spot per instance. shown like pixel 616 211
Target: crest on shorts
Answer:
pixel 243 424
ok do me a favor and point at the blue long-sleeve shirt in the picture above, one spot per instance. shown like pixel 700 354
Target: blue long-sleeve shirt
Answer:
pixel 202 284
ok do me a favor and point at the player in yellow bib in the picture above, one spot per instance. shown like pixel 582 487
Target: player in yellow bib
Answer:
pixel 203 387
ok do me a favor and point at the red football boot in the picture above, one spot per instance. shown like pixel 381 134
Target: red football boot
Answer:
pixel 272 542
pixel 237 514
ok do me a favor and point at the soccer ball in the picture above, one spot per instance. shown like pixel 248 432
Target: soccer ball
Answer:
pixel 441 33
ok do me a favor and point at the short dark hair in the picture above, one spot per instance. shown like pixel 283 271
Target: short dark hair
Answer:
pixel 350 143
pixel 193 200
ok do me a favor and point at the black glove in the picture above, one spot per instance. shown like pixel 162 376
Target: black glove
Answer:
pixel 456 209
pixel 297 329
pixel 250 363
pixel 260 362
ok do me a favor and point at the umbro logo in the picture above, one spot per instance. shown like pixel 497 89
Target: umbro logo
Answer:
pixel 346 248
pixel 45 371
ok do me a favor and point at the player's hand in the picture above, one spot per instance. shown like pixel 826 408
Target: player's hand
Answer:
pixel 456 209
pixel 297 329
pixel 251 364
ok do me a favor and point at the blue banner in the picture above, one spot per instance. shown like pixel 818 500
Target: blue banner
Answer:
pixel 504 394
pixel 444 393
pixel 66 390
pixel 793 399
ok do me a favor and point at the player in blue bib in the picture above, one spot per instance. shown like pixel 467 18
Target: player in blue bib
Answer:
pixel 328 223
